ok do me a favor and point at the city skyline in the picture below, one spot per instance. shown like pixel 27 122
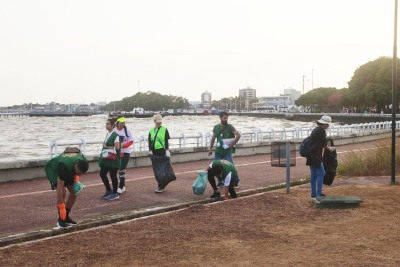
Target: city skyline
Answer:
pixel 98 51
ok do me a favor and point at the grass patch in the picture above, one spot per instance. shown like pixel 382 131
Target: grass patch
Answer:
pixel 372 162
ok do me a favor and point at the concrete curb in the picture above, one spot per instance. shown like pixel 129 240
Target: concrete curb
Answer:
pixel 130 215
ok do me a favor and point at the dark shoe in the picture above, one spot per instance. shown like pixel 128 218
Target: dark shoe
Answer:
pixel 236 185
pixel 220 183
pixel 70 222
pixel 216 195
pixel 106 194
pixel 322 195
pixel 112 197
pixel 61 224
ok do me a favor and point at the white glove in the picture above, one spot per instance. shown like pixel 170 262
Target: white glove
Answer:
pixel 167 153
pixel 332 148
pixel 150 153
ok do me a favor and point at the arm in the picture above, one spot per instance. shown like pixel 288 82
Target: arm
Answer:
pixel 226 187
pixel 60 199
pixel 237 137
pixel 211 144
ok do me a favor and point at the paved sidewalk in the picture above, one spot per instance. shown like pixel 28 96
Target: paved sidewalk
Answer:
pixel 29 206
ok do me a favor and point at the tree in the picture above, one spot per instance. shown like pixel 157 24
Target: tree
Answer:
pixel 371 85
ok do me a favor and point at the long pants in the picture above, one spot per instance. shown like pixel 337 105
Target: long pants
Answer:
pixel 211 180
pixel 113 175
pixel 124 163
pixel 316 179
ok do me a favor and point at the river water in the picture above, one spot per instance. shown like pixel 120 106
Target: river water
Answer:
pixel 28 138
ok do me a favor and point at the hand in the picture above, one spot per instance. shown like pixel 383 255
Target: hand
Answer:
pixel 226 198
pixel 167 153
pixel 62 211
pixel 150 153
pixel 210 152
pixel 332 148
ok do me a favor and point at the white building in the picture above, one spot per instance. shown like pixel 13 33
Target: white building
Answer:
pixel 206 99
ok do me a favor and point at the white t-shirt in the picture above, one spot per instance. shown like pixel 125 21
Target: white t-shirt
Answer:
pixel 124 138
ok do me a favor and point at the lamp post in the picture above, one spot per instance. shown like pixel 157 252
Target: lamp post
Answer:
pixel 394 100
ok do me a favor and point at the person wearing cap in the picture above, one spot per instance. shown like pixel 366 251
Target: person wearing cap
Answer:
pixel 158 142
pixel 126 141
pixel 314 160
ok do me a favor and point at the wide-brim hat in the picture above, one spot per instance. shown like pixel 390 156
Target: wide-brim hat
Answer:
pixel 325 120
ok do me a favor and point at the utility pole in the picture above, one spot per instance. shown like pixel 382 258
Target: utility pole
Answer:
pixel 303 83
pixel 394 100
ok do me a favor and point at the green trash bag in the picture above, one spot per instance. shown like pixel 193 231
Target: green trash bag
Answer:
pixel 78 187
pixel 199 186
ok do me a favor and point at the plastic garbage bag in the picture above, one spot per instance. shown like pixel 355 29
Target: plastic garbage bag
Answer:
pixel 200 184
pixel 162 169
pixel 78 187
pixel 330 164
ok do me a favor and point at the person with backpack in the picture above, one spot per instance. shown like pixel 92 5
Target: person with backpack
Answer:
pixel 227 136
pixel 125 141
pixel 317 144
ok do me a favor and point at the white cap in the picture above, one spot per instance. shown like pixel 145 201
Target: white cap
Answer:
pixel 325 120
pixel 157 118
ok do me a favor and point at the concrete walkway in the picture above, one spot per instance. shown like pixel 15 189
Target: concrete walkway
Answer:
pixel 28 208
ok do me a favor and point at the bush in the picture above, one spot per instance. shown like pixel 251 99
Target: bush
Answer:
pixel 372 162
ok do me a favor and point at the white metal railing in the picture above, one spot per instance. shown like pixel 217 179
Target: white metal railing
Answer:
pixel 255 135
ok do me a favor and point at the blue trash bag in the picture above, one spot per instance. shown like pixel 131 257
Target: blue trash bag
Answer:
pixel 199 186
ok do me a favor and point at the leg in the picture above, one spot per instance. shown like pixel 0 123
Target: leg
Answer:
pixel 211 180
pixel 69 204
pixel 122 169
pixel 320 178
pixel 313 180
pixel 232 191
pixel 104 178
pixel 114 179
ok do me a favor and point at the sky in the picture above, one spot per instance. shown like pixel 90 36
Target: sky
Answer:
pixel 88 51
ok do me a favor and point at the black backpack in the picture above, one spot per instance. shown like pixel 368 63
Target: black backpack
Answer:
pixel 305 147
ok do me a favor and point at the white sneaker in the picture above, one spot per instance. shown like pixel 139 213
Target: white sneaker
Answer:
pixel 159 190
pixel 120 191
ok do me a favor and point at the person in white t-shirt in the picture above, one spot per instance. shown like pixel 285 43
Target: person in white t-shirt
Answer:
pixel 126 141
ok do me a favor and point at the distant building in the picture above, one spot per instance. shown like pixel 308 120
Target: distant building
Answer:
pixel 247 93
pixel 206 99
pixel 272 102
pixel 293 95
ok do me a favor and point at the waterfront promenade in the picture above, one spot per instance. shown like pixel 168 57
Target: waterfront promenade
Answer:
pixel 29 206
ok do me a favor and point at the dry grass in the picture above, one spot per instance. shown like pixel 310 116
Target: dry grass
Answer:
pixel 370 162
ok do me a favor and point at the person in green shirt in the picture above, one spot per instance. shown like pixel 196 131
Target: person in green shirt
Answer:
pixel 63 172
pixel 225 171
